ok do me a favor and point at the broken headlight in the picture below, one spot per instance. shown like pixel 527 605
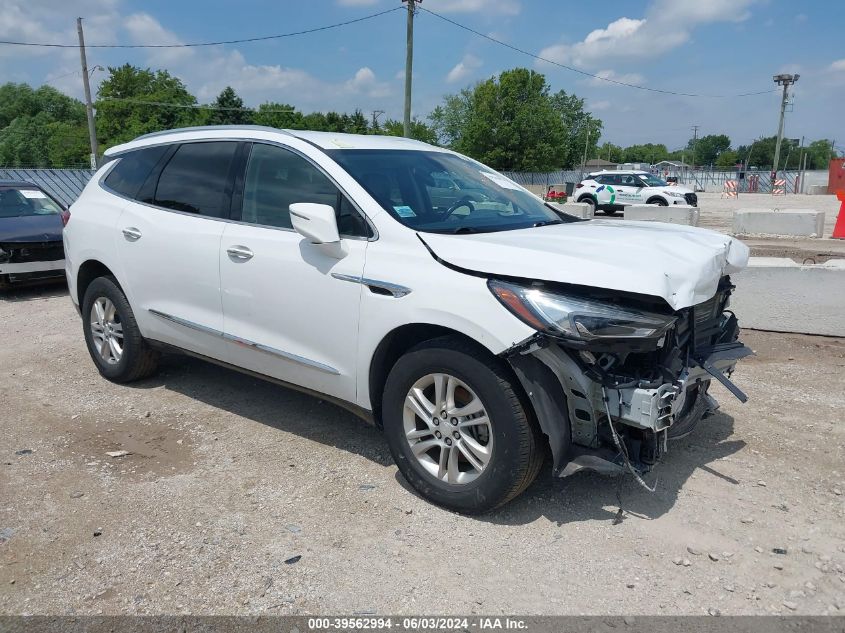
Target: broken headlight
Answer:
pixel 575 317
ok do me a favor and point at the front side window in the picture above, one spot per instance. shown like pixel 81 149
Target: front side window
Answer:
pixel 653 181
pixel 132 169
pixel 196 179
pixel 277 178
pixel 408 184
pixel 16 203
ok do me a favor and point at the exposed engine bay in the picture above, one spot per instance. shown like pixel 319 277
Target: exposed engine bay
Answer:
pixel 624 400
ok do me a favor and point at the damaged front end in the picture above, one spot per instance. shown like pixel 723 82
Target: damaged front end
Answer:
pixel 614 376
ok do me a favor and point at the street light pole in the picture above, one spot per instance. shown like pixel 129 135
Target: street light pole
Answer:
pixel 784 80
pixel 89 108
pixel 409 66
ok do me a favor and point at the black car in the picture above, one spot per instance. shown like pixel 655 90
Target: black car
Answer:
pixel 31 224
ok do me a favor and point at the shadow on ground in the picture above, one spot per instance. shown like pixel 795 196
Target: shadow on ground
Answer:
pixel 584 496
pixel 18 294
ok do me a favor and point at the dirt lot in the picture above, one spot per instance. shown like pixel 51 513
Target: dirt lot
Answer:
pixel 230 479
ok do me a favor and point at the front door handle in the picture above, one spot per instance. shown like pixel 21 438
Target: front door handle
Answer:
pixel 239 253
pixel 131 234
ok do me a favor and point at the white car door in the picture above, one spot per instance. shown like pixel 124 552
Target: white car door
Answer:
pixel 289 308
pixel 169 246
pixel 629 190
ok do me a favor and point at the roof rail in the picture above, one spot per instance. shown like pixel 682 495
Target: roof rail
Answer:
pixel 200 128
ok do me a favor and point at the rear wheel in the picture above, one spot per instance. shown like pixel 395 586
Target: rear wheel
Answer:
pixel 457 427
pixel 114 341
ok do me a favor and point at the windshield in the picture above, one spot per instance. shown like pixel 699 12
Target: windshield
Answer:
pixel 443 193
pixel 653 181
pixel 15 203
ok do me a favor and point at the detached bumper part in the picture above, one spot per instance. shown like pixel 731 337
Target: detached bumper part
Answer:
pixel 571 411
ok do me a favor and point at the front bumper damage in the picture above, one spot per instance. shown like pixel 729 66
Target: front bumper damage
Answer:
pixel 574 388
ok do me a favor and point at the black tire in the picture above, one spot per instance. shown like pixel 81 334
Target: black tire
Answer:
pixel 658 201
pixel 517 453
pixel 611 211
pixel 138 359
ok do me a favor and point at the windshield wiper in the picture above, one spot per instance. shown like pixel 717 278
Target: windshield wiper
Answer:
pixel 463 230
pixel 546 223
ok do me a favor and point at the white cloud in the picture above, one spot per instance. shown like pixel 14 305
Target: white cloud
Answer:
pixel 463 69
pixel 500 7
pixel 666 25
pixel 599 105
pixel 838 65
pixel 628 78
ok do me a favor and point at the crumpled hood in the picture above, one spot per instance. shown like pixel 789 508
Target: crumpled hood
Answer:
pixel 681 264
pixel 31 228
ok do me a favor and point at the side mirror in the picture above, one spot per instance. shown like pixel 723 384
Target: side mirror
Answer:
pixel 317 223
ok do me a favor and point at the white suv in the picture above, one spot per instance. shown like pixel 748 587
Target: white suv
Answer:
pixel 610 191
pixel 480 329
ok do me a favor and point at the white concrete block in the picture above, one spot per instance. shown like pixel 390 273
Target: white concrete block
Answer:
pixel 781 295
pixel 793 222
pixel 578 209
pixel 676 214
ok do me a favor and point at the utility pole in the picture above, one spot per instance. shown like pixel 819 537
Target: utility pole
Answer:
pixel 584 162
pixel 89 108
pixel 376 115
pixel 784 80
pixel 409 65
pixel 694 142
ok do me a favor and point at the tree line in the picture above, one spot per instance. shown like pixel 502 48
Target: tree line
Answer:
pixel 511 122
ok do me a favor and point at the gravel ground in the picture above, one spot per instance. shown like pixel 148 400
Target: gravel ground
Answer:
pixel 241 497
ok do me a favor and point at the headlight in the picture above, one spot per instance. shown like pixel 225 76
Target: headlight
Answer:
pixel 674 194
pixel 574 317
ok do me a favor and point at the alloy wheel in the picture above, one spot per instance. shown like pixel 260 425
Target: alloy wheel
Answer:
pixel 106 330
pixel 448 429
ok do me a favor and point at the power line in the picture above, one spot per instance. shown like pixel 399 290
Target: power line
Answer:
pixel 584 72
pixel 197 44
pixel 194 106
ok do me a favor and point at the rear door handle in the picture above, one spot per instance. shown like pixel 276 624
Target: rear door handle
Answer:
pixel 239 253
pixel 131 234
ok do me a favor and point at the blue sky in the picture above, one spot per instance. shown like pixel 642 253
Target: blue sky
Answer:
pixel 708 47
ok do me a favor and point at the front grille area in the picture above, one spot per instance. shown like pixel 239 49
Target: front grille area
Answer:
pixel 691 199
pixel 26 252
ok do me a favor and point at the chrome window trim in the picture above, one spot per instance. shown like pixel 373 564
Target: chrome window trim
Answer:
pixel 247 343
pixel 395 289
pixel 114 159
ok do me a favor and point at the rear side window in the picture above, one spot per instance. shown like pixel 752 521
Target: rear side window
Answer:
pixel 196 179
pixel 132 170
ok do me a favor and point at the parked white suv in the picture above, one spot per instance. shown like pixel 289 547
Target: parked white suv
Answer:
pixel 610 191
pixel 480 330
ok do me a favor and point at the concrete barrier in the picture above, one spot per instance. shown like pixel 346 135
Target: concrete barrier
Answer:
pixel 781 295
pixel 578 209
pixel 792 222
pixel 676 214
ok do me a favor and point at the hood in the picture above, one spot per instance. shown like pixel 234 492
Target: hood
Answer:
pixel 31 228
pixel 681 264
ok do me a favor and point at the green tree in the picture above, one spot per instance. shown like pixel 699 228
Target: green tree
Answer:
pixel 41 128
pixel 228 109
pixel 727 159
pixel 280 115
pixel 120 116
pixel 611 152
pixel 645 153
pixel 708 148
pixel 419 130
pixel 819 154
pixel 513 122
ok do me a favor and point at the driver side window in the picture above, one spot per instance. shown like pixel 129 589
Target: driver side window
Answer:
pixel 276 178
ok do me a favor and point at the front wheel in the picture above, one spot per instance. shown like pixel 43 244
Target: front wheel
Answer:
pixel 660 202
pixel 114 341
pixel 457 427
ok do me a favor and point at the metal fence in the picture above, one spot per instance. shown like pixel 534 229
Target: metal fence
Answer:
pixel 64 185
